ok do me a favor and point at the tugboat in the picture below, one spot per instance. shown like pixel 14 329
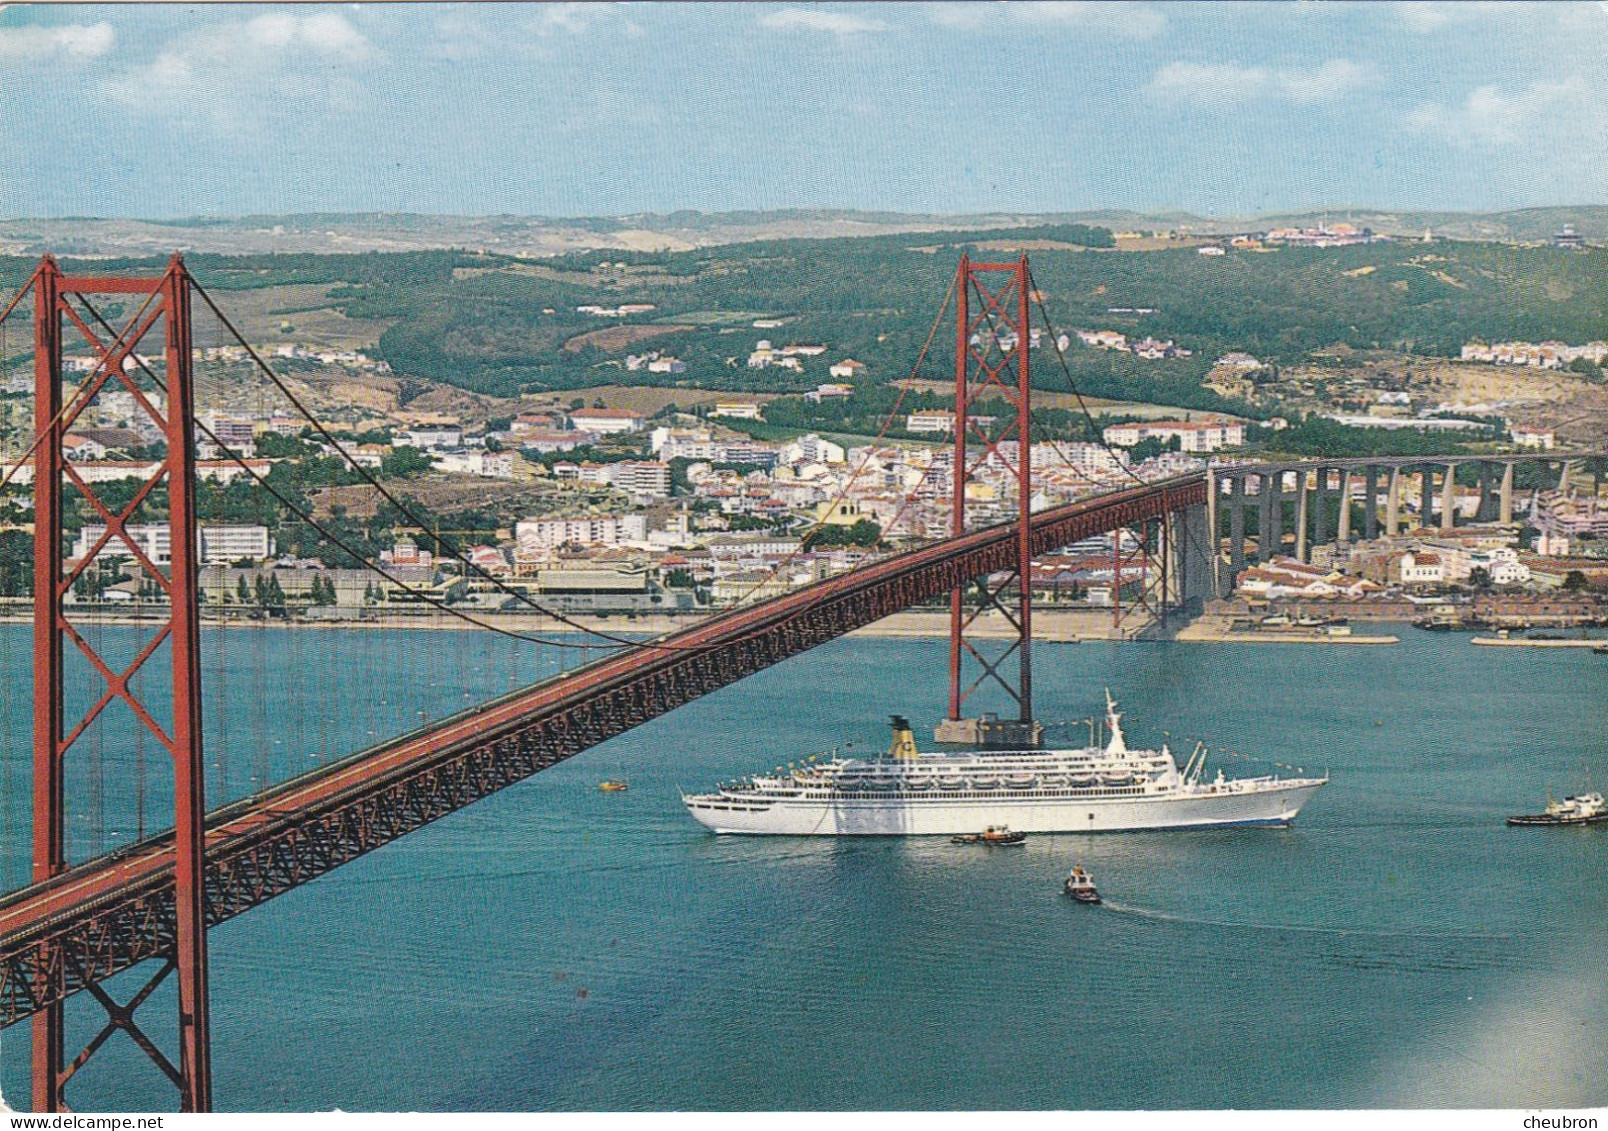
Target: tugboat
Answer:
pixel 1080 886
pixel 993 834
pixel 1440 620
pixel 1586 809
pixel 613 786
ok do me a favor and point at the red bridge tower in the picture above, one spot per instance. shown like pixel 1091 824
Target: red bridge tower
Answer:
pixel 161 310
pixel 992 342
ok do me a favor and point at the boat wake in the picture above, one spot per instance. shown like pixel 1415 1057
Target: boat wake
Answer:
pixel 1305 929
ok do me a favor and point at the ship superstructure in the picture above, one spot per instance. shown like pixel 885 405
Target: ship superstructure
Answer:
pixel 1096 788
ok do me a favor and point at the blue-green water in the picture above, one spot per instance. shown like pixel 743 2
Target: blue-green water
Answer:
pixel 554 947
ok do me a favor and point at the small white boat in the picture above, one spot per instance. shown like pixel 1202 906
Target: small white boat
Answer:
pixel 1584 809
pixel 1080 886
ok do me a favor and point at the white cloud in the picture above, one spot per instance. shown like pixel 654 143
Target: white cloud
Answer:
pixel 472 32
pixel 1124 20
pixel 1230 84
pixel 820 19
pixel 569 19
pixel 70 41
pixel 1428 16
pixel 329 33
pixel 1209 83
pixel 1325 83
pixel 1132 21
pixel 229 73
pixel 1490 115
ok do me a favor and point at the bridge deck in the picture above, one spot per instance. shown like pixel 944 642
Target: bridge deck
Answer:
pixel 110 913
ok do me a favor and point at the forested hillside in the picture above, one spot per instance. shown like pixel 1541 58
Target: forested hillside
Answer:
pixel 502 326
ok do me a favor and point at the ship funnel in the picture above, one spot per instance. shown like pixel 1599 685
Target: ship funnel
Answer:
pixel 904 741
pixel 1118 744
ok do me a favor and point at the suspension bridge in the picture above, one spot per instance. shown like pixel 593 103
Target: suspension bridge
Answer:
pixel 82 922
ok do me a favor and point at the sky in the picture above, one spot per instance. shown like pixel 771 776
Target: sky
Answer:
pixel 611 109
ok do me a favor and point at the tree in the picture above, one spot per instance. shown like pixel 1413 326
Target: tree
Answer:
pixel 16 563
pixel 863 533
pixel 243 591
pixel 1586 368
pixel 1479 578
pixel 403 462
pixel 1574 581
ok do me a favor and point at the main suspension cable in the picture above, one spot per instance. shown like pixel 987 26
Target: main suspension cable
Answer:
pixel 328 534
pixel 406 511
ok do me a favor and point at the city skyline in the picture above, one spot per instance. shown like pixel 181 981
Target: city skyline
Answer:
pixel 571 110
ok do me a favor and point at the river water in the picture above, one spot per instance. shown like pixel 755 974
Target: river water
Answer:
pixel 554 947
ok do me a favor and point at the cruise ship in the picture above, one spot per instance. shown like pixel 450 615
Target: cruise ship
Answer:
pixel 1095 789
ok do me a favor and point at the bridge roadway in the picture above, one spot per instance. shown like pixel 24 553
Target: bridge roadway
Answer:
pixel 108 914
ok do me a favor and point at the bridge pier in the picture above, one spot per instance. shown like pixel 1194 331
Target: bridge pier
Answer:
pixel 1270 520
pixel 1505 498
pixel 1370 510
pixel 1301 515
pixel 1448 519
pixel 1393 504
pixel 1236 527
pixel 1426 496
pixel 1196 558
pixel 1342 535
pixel 1320 509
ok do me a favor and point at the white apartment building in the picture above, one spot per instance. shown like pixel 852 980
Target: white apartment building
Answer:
pixel 732 547
pixel 642 479
pixel 830 391
pixel 812 449
pixel 942 420
pixel 608 421
pixel 219 545
pixel 1103 339
pixel 1192 435
pixel 1459 557
pixel 487 465
pixel 737 410
pixel 745 451
pixel 222 544
pixel 1420 568
pixel 670 443
pixel 1078 454
pixel 1539 438
pixel 430 439
pixel 536 535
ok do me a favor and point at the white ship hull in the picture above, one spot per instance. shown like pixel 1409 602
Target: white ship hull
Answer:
pixel 1274 804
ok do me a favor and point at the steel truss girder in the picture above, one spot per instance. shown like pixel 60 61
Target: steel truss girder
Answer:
pixel 271 850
